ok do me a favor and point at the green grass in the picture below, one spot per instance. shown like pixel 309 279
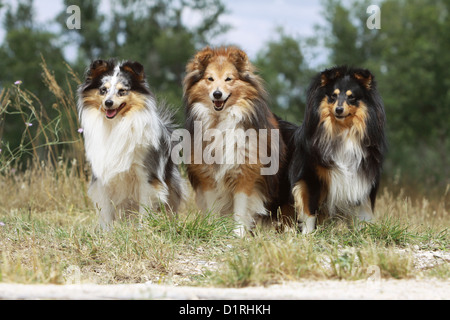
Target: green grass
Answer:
pixel 44 244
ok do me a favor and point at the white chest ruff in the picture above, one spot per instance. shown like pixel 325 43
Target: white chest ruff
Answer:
pixel 224 137
pixel 114 147
pixel 349 186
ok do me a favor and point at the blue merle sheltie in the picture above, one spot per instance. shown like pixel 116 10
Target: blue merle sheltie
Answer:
pixel 339 149
pixel 127 141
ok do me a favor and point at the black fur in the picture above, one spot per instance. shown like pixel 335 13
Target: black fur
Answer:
pixel 132 73
pixel 310 150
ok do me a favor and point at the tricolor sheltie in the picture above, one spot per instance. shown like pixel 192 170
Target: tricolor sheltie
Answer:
pixel 339 149
pixel 127 142
pixel 226 101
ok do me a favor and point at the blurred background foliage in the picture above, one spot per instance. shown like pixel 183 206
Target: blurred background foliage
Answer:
pixel 410 56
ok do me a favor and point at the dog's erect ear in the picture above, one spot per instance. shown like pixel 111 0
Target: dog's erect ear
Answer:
pixel 97 68
pixel 196 67
pixel 328 76
pixel 364 77
pixel 240 59
pixel 135 68
pixel 200 61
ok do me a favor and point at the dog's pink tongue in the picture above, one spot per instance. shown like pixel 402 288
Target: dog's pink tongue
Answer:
pixel 111 113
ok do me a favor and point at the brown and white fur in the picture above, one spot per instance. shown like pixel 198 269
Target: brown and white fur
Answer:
pixel 222 94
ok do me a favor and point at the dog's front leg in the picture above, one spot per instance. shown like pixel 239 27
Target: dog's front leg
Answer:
pixel 145 199
pixel 106 214
pixel 306 219
pixel 242 217
pixel 104 206
pixel 364 212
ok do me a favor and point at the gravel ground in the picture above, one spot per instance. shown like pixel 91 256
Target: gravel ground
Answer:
pixel 371 289
pixel 382 289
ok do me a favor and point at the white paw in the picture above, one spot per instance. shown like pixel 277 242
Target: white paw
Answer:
pixel 308 225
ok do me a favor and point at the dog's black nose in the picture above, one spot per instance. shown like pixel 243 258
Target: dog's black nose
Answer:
pixel 109 103
pixel 217 94
pixel 339 110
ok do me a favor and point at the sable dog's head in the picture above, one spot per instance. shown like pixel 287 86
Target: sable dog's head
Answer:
pixel 220 78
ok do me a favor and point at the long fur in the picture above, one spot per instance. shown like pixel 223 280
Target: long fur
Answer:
pixel 337 160
pixel 231 188
pixel 128 143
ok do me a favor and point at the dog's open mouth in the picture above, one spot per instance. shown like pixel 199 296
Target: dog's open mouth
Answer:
pixel 220 104
pixel 112 113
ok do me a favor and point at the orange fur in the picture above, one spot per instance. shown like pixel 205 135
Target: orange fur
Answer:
pixel 201 177
pixel 97 69
pixel 355 119
pixel 92 99
pixel 366 80
pixel 135 101
pixel 301 196
pixel 222 64
pixel 229 70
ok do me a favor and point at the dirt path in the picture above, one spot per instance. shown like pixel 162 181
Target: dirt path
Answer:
pixel 370 289
pixel 382 289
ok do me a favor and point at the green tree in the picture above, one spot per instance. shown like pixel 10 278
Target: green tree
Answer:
pixel 25 44
pixel 341 34
pixel 284 69
pixel 91 41
pixel 153 33
pixel 21 53
pixel 416 84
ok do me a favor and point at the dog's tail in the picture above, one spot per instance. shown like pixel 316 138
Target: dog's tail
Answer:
pixel 166 114
pixel 287 130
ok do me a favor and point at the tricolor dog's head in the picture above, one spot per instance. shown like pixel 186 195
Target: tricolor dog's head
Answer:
pixel 345 91
pixel 114 88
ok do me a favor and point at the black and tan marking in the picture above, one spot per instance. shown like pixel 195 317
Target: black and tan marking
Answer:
pixel 343 108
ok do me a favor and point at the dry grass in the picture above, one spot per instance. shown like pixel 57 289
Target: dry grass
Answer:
pixel 48 231
pixel 49 235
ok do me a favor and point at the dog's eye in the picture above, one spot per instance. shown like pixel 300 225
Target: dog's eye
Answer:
pixel 334 96
pixel 122 92
pixel 228 79
pixel 351 99
pixel 103 91
pixel 211 79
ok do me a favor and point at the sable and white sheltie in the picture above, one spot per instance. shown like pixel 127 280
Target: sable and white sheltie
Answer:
pixel 224 98
pixel 127 142
pixel 339 149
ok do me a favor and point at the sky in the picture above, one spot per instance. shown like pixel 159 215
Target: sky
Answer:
pixel 253 22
